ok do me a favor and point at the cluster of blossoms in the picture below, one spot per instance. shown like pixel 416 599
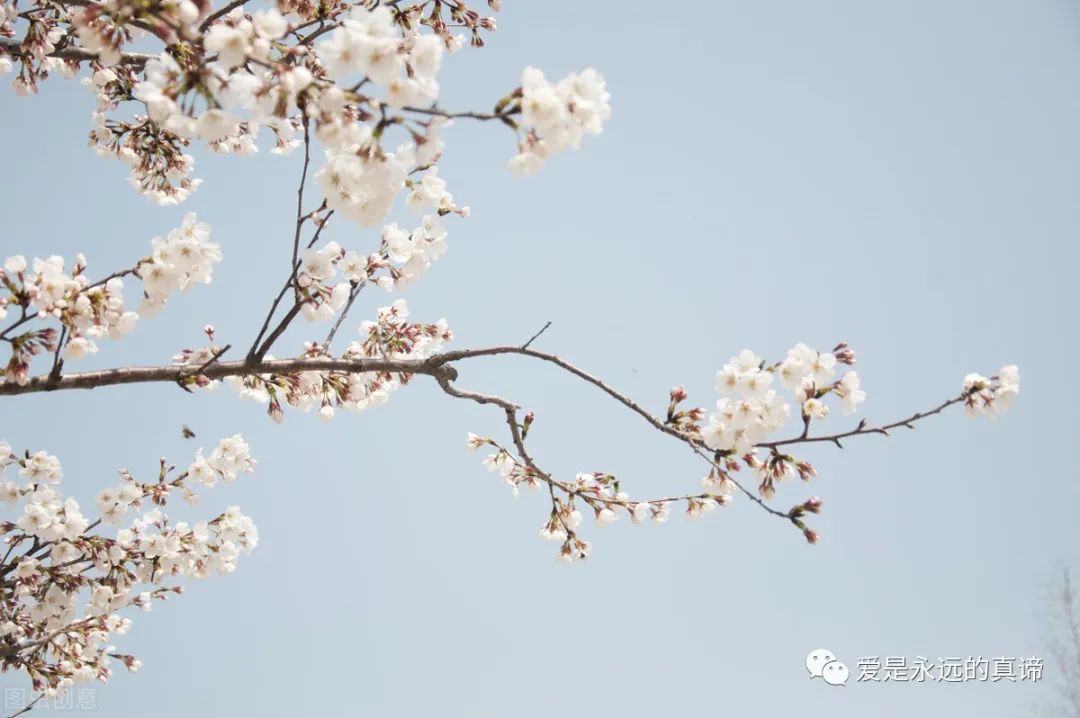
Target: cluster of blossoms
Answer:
pixel 559 115
pixel 749 409
pixel 240 75
pixel 161 168
pixel 990 397
pixel 185 257
pixel 362 181
pixel 38 45
pixel 42 287
pixel 45 289
pixel 389 336
pixel 226 76
pixel 63 587
pixel 403 255
pixel 368 45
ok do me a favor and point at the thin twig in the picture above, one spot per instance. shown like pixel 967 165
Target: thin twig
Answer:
pixel 300 217
pixel 213 359
pixel 220 13
pixel 438 112
pixel 536 336
pixel 864 428
pixel 257 351
pixel 28 707
pixel 354 292
pixel 58 363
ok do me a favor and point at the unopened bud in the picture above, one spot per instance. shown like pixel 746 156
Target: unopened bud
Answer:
pixel 844 354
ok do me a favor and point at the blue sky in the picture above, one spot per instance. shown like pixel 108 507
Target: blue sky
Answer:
pixel 898 176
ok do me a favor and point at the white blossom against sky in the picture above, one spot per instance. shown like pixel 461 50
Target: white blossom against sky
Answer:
pixel 900 176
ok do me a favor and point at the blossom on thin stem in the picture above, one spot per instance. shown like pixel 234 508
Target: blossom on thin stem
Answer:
pixel 990 397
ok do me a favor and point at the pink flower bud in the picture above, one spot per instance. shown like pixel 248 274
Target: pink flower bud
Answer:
pixel 844 354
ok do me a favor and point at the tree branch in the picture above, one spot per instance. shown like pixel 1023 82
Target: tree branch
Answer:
pixel 510 411
pixel 28 707
pixel 258 351
pixel 220 370
pixel 222 12
pixel 135 59
pixel 439 367
pixel 863 428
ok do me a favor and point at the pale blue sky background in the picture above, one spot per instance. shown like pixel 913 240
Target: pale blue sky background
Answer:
pixel 901 176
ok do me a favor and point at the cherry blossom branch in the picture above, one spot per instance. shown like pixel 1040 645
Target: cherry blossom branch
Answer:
pixel 257 351
pixel 354 292
pixel 25 318
pixel 220 13
pixel 119 274
pixel 511 409
pixel 58 363
pixel 435 366
pixel 657 423
pixel 722 462
pixel 693 440
pixel 864 428
pixel 220 370
pixel 269 317
pixel 132 59
pixel 294 310
pixel 300 216
pixel 626 401
pixel 439 366
pixel 482 116
pixel 28 707
pixel 596 500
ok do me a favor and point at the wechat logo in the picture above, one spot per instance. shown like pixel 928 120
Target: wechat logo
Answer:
pixel 823 664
